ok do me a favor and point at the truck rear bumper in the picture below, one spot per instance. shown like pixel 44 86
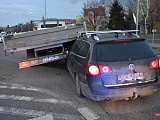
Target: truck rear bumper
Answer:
pixel 41 60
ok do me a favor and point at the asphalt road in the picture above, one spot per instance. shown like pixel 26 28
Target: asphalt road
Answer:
pixel 47 92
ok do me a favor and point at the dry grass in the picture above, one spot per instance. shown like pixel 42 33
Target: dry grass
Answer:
pixel 150 36
pixel 157 50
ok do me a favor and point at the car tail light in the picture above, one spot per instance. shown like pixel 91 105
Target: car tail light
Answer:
pixel 97 69
pixel 155 64
pixel 105 69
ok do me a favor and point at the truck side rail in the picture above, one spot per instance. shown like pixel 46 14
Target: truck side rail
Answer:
pixel 40 38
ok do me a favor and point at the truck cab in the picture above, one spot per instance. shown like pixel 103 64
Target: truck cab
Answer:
pixel 49 24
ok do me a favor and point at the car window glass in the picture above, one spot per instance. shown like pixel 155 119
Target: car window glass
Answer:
pixel 122 51
pixel 83 48
pixel 74 48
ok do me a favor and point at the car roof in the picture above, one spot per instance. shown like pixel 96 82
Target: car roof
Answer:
pixel 108 36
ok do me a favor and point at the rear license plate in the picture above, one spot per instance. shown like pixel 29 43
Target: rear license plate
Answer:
pixel 51 58
pixel 134 76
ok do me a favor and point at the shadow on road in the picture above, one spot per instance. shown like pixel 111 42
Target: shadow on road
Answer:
pixel 60 64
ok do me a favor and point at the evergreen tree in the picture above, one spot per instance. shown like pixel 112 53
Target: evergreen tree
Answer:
pixel 116 19
pixel 130 24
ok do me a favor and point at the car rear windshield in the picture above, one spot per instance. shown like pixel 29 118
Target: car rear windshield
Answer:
pixel 122 51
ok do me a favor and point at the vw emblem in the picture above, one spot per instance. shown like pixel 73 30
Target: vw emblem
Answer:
pixel 131 66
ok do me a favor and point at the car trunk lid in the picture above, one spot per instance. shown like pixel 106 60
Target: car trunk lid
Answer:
pixel 129 61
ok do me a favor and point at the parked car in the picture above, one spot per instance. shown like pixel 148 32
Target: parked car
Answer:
pixel 113 65
pixel 0 39
pixel 1 35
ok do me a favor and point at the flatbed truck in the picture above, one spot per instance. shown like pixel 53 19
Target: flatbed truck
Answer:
pixel 42 46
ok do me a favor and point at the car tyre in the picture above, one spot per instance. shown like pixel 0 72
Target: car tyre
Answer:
pixel 78 88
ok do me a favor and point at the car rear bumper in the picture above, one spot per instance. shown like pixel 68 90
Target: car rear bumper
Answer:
pixel 98 93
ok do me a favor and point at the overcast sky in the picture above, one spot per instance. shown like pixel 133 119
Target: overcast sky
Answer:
pixel 13 12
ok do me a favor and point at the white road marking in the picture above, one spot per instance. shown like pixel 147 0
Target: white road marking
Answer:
pixel 18 87
pixel 88 113
pixel 32 99
pixel 46 117
pixel 38 115
pixel 22 112
pixel 27 88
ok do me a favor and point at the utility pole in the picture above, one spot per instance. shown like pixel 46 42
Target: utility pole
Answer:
pixel 45 10
pixel 137 17
pixel 45 15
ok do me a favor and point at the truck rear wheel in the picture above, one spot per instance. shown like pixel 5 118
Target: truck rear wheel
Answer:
pixel 30 53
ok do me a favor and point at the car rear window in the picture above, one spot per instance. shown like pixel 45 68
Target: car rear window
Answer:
pixel 122 51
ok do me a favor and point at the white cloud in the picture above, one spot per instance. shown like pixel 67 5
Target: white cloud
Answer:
pixel 74 1
pixel 18 9
pixel 3 11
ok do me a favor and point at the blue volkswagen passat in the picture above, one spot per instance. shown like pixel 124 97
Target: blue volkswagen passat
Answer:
pixel 113 65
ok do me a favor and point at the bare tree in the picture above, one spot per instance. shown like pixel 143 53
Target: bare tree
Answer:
pixel 94 14
pixel 154 12
pixel 92 3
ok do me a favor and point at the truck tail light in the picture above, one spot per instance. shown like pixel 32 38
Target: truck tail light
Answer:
pixel 24 64
pixel 155 64
pixel 97 69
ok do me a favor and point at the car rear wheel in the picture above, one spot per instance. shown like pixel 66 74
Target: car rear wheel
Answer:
pixel 78 88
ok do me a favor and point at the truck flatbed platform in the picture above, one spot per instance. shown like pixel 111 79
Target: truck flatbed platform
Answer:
pixel 40 38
